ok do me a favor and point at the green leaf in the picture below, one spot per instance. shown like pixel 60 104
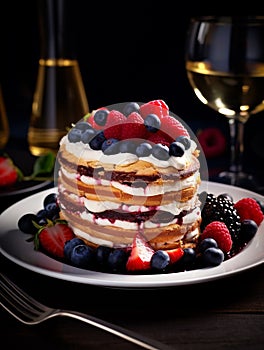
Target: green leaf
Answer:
pixel 44 165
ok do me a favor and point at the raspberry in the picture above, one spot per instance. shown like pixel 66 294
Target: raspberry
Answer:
pixel 158 107
pixel 248 208
pixel 113 125
pixel 172 127
pixel 133 127
pixel 220 233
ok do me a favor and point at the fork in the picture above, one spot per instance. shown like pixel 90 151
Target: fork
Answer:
pixel 31 312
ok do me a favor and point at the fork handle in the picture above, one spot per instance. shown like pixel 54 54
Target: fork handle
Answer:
pixel 121 332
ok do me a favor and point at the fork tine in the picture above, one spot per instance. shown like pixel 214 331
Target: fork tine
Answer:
pixel 17 300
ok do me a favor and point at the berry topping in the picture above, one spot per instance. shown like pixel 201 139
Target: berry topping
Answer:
pixel 220 233
pixel 130 107
pixel 133 127
pixel 158 107
pixel 110 146
pixel 172 127
pixel 152 122
pixel 100 116
pixel 249 208
pixel 160 151
pixel 113 126
pixel 176 149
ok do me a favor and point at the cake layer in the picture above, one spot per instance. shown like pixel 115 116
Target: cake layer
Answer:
pixel 170 236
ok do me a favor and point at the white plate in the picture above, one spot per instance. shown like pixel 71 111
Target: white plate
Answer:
pixel 14 246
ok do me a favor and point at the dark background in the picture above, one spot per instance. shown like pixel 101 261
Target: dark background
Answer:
pixel 128 51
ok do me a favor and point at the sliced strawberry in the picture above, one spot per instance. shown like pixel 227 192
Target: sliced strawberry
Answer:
pixel 158 107
pixel 133 127
pixel 140 256
pixel 52 238
pixel 175 254
pixel 8 172
pixel 160 137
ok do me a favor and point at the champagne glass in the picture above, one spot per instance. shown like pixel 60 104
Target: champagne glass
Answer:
pixel 225 66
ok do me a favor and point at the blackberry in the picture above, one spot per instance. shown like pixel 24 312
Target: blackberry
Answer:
pixel 220 208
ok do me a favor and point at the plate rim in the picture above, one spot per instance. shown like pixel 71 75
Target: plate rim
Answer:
pixel 74 274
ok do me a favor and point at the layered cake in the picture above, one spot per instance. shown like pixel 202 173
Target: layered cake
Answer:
pixel 131 167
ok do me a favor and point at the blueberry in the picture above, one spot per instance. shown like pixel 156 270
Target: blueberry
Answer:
pixel 69 245
pixel 101 256
pixel 176 149
pixel 152 122
pixel 116 261
pixel 42 217
pixel 74 135
pixel 189 257
pixel 50 198
pixel 97 141
pixel 88 135
pixel 110 146
pixel 160 261
pixel 144 149
pixel 130 107
pixel 160 151
pixel 207 243
pixel 100 116
pixel 82 256
pixel 25 223
pixel 52 211
pixel 184 140
pixel 128 146
pixel 248 229
pixel 83 126
pixel 212 257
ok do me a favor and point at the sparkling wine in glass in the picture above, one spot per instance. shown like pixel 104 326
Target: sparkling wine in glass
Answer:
pixel 225 67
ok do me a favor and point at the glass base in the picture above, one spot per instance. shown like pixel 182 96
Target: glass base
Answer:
pixel 241 179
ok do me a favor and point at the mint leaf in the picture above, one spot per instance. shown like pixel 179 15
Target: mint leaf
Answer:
pixel 43 165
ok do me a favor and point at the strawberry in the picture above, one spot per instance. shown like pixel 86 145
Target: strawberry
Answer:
pixel 172 127
pixel 220 233
pixel 249 208
pixel 140 256
pixel 175 254
pixel 9 173
pixel 158 107
pixel 53 237
pixel 133 127
pixel 113 125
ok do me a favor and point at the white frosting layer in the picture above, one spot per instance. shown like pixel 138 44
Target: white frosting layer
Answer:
pixel 81 150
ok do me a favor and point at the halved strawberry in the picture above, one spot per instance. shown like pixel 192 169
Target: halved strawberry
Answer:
pixel 140 256
pixel 9 173
pixel 158 107
pixel 52 238
pixel 175 254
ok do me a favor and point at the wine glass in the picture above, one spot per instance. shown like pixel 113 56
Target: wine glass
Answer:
pixel 225 66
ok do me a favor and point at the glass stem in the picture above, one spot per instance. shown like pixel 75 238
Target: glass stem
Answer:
pixel 236 145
